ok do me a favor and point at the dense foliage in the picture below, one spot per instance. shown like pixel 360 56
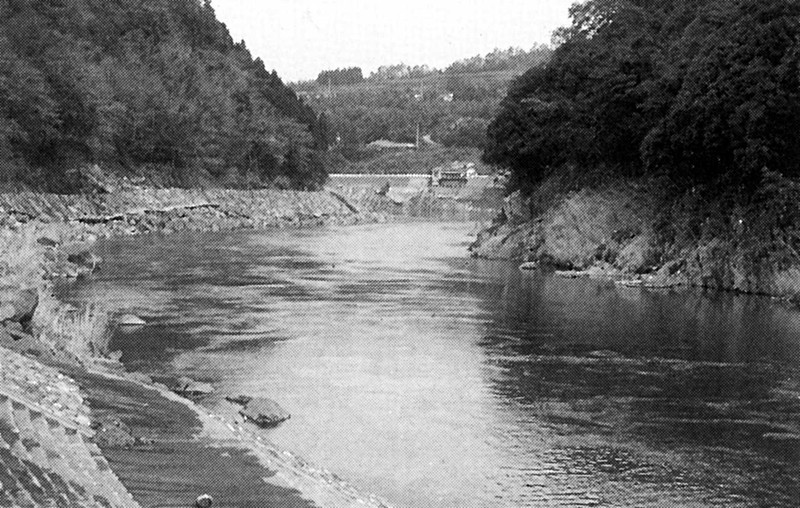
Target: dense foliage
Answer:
pixel 144 86
pixel 703 92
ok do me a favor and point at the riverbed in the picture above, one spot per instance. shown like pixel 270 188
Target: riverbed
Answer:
pixel 437 380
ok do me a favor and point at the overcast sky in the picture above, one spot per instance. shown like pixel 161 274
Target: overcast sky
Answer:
pixel 299 38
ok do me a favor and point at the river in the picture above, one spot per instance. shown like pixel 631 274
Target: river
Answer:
pixel 436 380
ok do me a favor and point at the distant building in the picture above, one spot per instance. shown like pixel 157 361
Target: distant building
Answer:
pixel 454 176
pixel 386 145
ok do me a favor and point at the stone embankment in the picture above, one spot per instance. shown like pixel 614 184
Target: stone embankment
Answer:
pixel 46 454
pixel 167 210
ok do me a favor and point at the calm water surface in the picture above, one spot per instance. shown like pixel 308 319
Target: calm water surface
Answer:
pixel 434 380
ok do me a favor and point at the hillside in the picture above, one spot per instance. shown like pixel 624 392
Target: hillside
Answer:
pixel 154 88
pixel 451 107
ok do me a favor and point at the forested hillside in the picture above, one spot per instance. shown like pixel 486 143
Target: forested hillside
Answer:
pixel 451 107
pixel 155 88
pixel 705 93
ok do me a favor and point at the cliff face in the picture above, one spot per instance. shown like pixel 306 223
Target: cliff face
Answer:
pixel 609 233
pixel 580 230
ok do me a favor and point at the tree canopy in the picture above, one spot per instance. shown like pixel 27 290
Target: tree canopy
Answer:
pixel 700 91
pixel 152 86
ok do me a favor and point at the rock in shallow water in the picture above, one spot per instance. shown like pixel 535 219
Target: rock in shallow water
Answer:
pixel 131 320
pixel 204 501
pixel 264 412
pixel 187 387
pixel 242 400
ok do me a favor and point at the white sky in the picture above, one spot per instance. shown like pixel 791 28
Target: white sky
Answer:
pixel 299 38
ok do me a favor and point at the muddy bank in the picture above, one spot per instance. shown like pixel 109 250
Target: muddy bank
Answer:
pixel 609 233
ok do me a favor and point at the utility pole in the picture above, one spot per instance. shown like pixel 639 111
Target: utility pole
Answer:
pixel 421 105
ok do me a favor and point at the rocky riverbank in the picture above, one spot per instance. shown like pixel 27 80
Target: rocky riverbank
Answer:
pixel 42 340
pixel 47 456
pixel 609 233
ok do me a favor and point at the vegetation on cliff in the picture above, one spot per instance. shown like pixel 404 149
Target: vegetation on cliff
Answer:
pixel 692 106
pixel 154 87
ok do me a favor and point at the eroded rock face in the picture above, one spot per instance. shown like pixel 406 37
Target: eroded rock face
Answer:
pixel 578 231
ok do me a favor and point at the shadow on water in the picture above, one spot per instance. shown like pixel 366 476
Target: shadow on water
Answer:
pixel 695 391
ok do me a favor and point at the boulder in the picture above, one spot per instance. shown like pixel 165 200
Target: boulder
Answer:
pixel 18 304
pixel 187 387
pixel 204 501
pixel 130 320
pixel 241 400
pixel 48 241
pixel 264 412
pixel 85 259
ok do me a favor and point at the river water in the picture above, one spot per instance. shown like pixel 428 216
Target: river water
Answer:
pixel 436 380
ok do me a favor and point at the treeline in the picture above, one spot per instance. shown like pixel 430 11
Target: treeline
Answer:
pixel 347 76
pixel 510 59
pixel 401 71
pixel 148 87
pixel 503 60
pixel 704 93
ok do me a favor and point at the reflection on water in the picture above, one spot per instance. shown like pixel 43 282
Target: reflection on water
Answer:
pixel 437 380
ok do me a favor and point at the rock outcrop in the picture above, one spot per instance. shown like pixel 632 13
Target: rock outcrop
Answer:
pixel 264 412
pixel 608 233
